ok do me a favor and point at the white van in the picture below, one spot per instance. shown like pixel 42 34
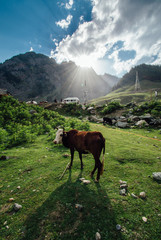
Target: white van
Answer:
pixel 71 100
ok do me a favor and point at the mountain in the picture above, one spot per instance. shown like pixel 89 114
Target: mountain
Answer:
pixel 124 91
pixel 149 77
pixel 38 77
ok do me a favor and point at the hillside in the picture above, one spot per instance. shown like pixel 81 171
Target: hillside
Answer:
pixel 38 77
pixel 124 91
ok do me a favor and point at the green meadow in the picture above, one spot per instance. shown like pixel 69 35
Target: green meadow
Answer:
pixel 48 202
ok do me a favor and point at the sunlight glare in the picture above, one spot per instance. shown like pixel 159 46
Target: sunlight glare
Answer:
pixel 84 61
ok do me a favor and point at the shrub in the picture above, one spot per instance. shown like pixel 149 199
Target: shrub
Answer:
pixel 18 125
pixel 111 107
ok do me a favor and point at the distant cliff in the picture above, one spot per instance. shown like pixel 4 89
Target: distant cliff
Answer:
pixel 38 77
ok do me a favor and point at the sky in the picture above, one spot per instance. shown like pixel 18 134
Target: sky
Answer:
pixel 111 36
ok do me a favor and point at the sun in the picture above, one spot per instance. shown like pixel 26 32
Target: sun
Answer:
pixel 84 61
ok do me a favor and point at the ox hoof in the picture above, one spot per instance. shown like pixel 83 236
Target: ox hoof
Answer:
pixel 96 181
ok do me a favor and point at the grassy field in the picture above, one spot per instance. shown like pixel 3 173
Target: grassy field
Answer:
pixel 48 203
pixel 127 94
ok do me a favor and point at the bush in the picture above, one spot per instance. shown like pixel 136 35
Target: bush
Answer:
pixel 111 107
pixel 153 107
pixel 18 124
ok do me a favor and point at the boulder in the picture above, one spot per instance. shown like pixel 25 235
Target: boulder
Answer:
pixel 142 123
pixel 157 176
pixel 121 124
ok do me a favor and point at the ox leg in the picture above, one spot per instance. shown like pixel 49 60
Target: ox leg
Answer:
pixel 94 169
pixel 72 156
pixel 99 170
pixel 80 156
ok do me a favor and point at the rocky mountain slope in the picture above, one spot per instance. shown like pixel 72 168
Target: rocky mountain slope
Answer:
pixel 38 77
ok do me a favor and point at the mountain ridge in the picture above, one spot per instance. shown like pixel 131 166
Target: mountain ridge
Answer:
pixel 38 77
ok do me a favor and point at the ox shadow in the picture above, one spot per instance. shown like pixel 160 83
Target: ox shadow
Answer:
pixel 58 218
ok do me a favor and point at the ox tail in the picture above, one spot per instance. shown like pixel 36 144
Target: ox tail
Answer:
pixel 103 158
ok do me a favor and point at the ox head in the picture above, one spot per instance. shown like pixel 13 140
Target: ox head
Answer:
pixel 59 136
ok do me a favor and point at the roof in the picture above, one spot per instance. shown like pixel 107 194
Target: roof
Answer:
pixel 3 91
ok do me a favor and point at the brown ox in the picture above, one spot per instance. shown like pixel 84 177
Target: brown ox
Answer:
pixel 83 142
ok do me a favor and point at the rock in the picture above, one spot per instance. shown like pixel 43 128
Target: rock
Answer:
pixel 79 207
pixel 142 123
pixel 86 181
pixel 134 118
pixel 133 195
pixel 121 124
pixel 144 219
pixel 18 187
pixel 17 207
pixel 98 236
pixel 122 182
pixel 123 192
pixel 95 119
pixel 123 185
pixel 142 195
pixel 157 176
pixel 81 179
pixel 118 227
pixel 11 199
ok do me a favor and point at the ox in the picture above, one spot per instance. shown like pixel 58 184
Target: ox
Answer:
pixel 83 142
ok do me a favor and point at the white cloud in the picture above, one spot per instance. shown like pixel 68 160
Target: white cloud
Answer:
pixel 64 23
pixel 69 5
pixel 136 23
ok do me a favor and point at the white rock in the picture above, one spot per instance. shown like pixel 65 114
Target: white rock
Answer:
pixel 157 175
pixel 118 227
pixel 142 123
pixel 123 185
pixel 79 206
pixel 81 179
pixel 123 192
pixel 142 195
pixel 18 187
pixel 17 207
pixel 122 182
pixel 144 219
pixel 98 236
pixel 11 199
pixel 86 181
pixel 133 195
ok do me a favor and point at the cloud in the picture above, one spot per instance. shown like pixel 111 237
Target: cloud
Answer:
pixel 69 5
pixel 135 23
pixel 64 23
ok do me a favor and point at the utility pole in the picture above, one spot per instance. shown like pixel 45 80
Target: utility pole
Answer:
pixel 137 83
pixel 85 93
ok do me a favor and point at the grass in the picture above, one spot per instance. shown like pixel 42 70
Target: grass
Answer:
pixel 127 94
pixel 48 203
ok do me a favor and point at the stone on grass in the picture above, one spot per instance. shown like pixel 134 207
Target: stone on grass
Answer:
pixel 98 236
pixel 144 219
pixel 81 179
pixel 78 206
pixel 157 176
pixel 123 192
pixel 118 227
pixel 133 195
pixel 86 181
pixel 18 187
pixel 17 207
pixel 122 182
pixel 142 195
pixel 11 199
pixel 123 185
